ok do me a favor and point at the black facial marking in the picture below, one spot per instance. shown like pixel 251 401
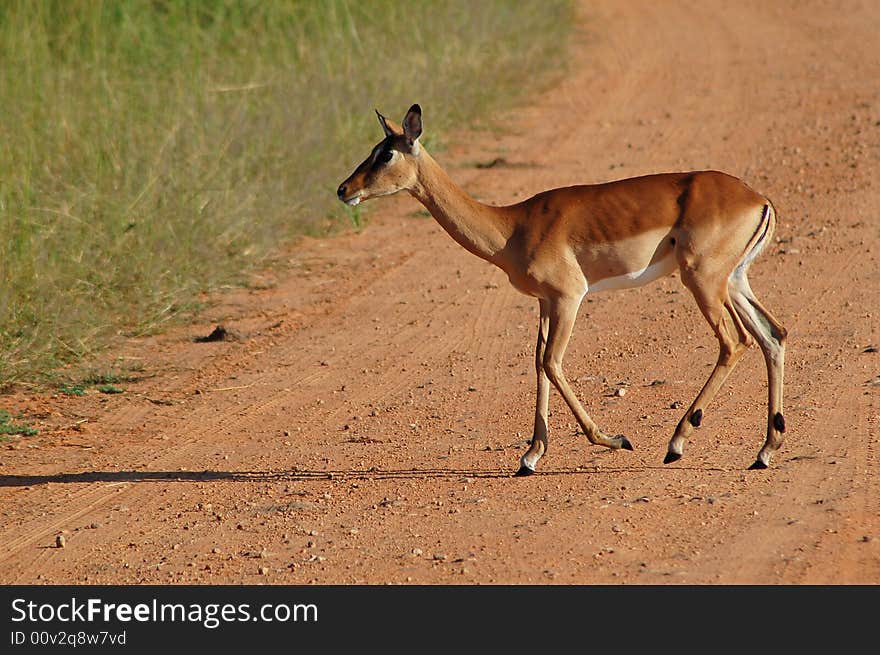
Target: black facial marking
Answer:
pixel 696 418
pixel 382 153
pixel 779 422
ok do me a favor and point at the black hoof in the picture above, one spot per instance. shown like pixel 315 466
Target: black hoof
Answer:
pixel 671 457
pixel 624 442
pixel 757 465
pixel 523 471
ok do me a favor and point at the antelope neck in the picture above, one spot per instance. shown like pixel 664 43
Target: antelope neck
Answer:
pixel 481 229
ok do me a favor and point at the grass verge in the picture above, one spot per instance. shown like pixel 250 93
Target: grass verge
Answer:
pixel 153 149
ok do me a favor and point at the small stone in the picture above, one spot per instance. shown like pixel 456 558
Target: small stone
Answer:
pixel 620 392
pixel 264 570
pixel 439 557
pixel 416 551
pixel 60 541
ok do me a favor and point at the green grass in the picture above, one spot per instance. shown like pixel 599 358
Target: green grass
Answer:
pixel 109 388
pixel 73 389
pixel 105 381
pixel 153 149
pixel 7 427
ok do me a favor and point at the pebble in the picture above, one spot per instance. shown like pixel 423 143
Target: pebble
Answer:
pixel 60 541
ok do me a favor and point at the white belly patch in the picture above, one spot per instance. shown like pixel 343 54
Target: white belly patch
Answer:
pixel 650 273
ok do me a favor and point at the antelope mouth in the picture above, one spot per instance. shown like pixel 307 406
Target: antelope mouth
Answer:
pixel 354 200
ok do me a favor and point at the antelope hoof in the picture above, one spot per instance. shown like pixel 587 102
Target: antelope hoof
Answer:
pixel 671 457
pixel 757 465
pixel 524 471
pixel 624 442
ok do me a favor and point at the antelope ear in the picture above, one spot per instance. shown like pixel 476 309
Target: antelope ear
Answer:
pixel 412 124
pixel 386 126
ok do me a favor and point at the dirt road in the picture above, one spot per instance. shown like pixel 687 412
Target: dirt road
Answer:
pixel 363 424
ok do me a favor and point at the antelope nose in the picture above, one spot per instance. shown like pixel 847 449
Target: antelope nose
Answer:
pixel 340 192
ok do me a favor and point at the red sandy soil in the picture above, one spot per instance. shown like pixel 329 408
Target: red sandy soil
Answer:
pixel 363 424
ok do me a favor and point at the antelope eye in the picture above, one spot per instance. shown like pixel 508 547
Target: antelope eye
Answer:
pixel 385 156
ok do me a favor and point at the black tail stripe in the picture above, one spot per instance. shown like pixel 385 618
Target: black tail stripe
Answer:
pixel 765 223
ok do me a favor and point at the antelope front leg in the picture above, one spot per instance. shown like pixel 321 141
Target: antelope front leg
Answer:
pixel 542 399
pixel 563 312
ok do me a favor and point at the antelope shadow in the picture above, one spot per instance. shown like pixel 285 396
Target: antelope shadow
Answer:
pixel 297 475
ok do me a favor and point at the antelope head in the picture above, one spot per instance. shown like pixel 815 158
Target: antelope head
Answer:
pixel 392 165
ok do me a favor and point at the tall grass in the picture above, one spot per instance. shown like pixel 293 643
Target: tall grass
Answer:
pixel 150 149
